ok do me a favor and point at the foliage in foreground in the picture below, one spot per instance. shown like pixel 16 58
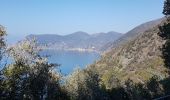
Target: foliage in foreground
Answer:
pixel 29 76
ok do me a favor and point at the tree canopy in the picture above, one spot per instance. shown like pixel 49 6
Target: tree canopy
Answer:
pixel 166 10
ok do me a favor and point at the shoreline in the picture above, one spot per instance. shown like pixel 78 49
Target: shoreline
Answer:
pixel 72 49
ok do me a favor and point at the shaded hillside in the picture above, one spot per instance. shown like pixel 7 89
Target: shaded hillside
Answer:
pixel 132 34
pixel 76 40
pixel 138 60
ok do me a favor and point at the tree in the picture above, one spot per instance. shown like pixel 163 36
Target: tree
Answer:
pixel 30 76
pixel 2 49
pixel 2 42
pixel 166 10
pixel 165 34
pixel 85 85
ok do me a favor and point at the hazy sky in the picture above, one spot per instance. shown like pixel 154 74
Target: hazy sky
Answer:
pixel 22 17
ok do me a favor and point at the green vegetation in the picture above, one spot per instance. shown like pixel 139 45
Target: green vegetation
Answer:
pixel 166 10
pixel 137 70
pixel 29 76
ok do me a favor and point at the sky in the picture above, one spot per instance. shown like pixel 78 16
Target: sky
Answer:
pixel 23 17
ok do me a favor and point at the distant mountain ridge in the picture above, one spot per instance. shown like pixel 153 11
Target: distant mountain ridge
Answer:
pixel 78 40
pixel 130 35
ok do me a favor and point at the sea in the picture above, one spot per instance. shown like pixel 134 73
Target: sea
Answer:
pixel 70 60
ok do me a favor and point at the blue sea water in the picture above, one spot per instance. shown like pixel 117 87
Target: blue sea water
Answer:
pixel 70 59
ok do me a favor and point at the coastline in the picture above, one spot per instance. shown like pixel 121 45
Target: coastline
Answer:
pixel 71 49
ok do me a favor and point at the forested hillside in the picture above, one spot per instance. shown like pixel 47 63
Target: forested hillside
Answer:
pixel 138 59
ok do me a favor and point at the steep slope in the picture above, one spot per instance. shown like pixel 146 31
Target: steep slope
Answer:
pixel 132 34
pixel 76 40
pixel 138 59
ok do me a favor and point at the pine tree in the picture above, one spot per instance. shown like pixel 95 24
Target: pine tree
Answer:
pixel 166 10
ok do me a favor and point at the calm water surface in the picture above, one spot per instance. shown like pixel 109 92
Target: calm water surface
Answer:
pixel 70 59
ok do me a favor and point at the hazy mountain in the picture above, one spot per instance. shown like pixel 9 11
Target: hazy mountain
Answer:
pixel 132 34
pixel 76 40
pixel 138 59
pixel 78 35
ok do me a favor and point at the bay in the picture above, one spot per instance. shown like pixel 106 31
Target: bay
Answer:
pixel 69 60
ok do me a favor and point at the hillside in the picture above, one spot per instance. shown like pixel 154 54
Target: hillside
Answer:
pixel 132 34
pixel 138 59
pixel 77 40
